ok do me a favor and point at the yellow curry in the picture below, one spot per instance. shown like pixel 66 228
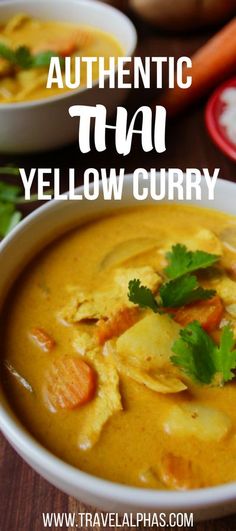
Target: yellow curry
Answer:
pixel 119 347
pixel 27 44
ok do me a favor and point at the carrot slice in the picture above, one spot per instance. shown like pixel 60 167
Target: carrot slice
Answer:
pixel 43 339
pixel 117 324
pixel 209 313
pixel 62 47
pixel 179 473
pixel 70 383
pixel 213 62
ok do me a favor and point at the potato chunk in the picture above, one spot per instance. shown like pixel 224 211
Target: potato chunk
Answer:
pixel 193 419
pixel 143 353
pixel 226 289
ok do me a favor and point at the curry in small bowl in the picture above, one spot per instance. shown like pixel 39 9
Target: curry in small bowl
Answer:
pixel 27 45
pixel 119 347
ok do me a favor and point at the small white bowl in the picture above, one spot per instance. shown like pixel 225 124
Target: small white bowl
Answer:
pixel 45 124
pixel 37 230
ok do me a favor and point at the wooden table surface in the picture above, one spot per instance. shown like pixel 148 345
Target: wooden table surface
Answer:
pixel 23 493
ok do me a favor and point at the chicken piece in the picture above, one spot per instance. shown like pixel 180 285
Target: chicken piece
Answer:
pixel 16 22
pixel 146 275
pixel 106 403
pixel 105 304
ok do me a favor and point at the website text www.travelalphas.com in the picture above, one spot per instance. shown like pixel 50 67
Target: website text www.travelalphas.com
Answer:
pixel 107 520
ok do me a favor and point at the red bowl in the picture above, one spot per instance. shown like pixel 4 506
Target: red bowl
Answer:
pixel 214 109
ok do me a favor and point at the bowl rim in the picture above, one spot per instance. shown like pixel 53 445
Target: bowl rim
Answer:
pixel 97 4
pixel 14 430
pixel 212 122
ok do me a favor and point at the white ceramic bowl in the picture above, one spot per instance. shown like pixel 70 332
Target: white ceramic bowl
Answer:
pixel 45 124
pixel 32 234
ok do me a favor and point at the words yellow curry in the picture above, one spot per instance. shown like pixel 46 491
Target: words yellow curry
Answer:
pixel 26 48
pixel 119 347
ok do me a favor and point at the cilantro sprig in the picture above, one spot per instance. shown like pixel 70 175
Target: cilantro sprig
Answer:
pixel 182 287
pixel 201 359
pixel 173 294
pixel 10 198
pixel 182 261
pixel 22 57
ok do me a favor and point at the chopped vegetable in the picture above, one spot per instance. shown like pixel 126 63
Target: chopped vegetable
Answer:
pixel 208 313
pixel 63 47
pixel 201 359
pixel 70 383
pixel 22 381
pixel 192 419
pixel 23 58
pixel 182 261
pixel 179 473
pixel 213 62
pixel 117 324
pixel 143 353
pixel 183 290
pixel 43 339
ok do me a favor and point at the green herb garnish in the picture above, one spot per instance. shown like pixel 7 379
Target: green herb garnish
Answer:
pixel 182 291
pixel 173 294
pixel 182 261
pixel 201 359
pixel 22 57
pixel 142 296
pixel 9 196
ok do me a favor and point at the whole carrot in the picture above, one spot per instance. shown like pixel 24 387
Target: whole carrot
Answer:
pixel 212 63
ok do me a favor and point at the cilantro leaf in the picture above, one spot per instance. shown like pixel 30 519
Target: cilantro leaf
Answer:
pixel 23 58
pixel 182 261
pixel 9 217
pixel 44 58
pixel 201 359
pixel 194 352
pixel 9 192
pixel 182 291
pixel 142 295
pixel 7 53
pixel 225 356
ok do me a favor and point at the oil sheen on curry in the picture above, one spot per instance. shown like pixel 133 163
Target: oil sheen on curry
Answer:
pixel 119 347
pixel 26 47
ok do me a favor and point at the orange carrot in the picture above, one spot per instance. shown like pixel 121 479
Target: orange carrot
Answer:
pixel 209 313
pixel 179 473
pixel 62 47
pixel 212 63
pixel 70 383
pixel 43 339
pixel 117 324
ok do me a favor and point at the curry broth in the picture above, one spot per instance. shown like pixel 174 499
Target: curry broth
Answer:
pixel 133 441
